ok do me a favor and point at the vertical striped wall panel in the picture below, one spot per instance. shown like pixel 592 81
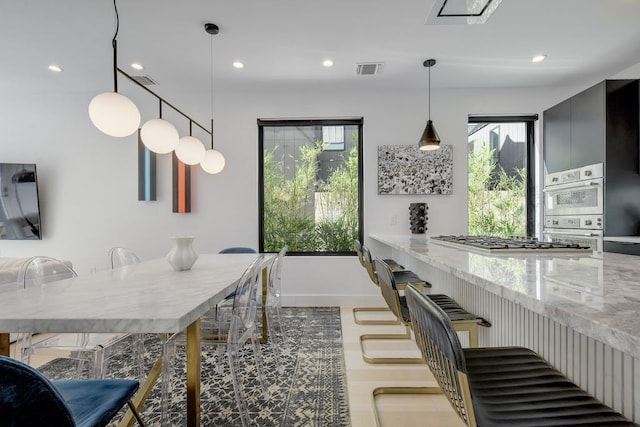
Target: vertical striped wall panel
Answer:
pixel 606 373
pixel 146 172
pixel 181 186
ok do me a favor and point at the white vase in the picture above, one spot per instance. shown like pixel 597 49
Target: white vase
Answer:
pixel 182 255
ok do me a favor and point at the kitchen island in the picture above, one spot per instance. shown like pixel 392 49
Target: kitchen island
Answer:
pixel 580 312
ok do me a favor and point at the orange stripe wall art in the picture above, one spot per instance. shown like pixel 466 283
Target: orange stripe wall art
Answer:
pixel 181 186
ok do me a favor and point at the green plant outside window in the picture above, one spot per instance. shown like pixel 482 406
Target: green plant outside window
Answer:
pixel 497 201
pixel 310 191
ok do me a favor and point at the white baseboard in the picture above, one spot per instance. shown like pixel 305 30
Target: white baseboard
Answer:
pixel 332 300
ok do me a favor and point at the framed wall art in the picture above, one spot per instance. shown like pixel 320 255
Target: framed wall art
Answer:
pixel 405 169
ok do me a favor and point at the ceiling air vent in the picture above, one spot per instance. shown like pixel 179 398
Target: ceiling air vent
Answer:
pixel 145 80
pixel 369 68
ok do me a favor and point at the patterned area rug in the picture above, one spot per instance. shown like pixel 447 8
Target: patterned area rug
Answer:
pixel 311 392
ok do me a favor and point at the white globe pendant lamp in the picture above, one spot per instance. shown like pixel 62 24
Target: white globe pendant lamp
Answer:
pixel 190 150
pixel 213 162
pixel 159 136
pixel 112 113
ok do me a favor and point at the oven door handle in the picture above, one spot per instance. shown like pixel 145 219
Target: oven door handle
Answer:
pixel 571 233
pixel 571 185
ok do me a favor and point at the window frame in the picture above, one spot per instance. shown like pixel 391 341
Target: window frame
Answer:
pixel 529 121
pixel 345 121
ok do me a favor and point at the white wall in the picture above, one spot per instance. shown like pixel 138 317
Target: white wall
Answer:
pixel 88 181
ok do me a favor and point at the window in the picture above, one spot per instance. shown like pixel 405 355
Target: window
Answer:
pixel 501 176
pixel 310 177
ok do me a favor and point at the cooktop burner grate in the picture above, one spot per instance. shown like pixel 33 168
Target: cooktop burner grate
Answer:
pixel 511 244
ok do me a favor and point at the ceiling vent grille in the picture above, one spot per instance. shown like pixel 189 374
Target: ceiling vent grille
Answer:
pixel 369 68
pixel 145 80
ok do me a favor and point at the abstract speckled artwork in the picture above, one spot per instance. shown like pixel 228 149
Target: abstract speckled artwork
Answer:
pixel 405 169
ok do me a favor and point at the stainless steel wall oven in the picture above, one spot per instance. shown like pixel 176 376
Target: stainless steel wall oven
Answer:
pixel 574 207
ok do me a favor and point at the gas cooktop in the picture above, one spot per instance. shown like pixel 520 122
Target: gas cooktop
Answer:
pixel 492 244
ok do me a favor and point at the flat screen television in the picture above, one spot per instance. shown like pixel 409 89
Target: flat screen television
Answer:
pixel 19 203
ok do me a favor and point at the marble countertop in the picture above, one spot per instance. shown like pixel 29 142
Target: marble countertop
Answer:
pixel 596 296
pixel 146 297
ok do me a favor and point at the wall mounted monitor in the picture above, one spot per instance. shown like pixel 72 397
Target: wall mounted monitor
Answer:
pixel 19 203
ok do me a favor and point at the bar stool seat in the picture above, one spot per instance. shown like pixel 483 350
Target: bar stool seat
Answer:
pixel 514 386
pixel 454 311
pixel 408 277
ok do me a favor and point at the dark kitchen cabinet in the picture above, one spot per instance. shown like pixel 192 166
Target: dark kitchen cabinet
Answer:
pixel 557 137
pixel 574 131
pixel 588 126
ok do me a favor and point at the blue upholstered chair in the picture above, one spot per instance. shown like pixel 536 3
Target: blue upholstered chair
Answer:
pixel 238 250
pixel 28 398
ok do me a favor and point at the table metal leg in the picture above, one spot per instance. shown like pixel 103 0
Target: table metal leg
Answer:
pixel 143 393
pixel 265 326
pixel 5 345
pixel 193 374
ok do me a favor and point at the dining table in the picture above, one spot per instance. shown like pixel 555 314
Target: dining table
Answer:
pixel 149 297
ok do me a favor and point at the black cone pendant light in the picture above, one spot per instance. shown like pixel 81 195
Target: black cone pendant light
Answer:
pixel 430 139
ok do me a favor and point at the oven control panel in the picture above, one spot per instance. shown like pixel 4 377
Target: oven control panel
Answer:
pixel 578 222
pixel 575 175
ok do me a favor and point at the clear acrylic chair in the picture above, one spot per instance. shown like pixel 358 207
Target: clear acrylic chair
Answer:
pixel 120 257
pixel 40 271
pixel 230 333
pixel 277 331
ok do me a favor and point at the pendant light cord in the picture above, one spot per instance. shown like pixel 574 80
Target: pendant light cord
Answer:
pixel 114 44
pixel 429 93
pixel 211 92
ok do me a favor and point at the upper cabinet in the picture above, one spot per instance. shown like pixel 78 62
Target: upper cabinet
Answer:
pixel 582 130
pixel 557 137
pixel 574 131
pixel 588 126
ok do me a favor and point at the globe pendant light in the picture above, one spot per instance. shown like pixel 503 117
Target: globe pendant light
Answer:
pixel 213 161
pixel 429 139
pixel 190 150
pixel 159 136
pixel 112 113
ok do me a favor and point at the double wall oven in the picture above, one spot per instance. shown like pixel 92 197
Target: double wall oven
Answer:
pixel 574 207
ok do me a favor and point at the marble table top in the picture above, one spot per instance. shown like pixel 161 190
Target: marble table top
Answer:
pixel 596 296
pixel 146 297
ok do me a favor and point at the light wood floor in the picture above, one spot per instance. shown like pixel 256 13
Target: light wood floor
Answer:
pixel 363 378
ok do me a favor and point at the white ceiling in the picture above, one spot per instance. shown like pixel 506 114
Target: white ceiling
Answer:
pixel 283 43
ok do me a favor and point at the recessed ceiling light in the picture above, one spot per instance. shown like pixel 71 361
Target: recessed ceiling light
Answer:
pixel 55 68
pixel 538 58
pixel 238 64
pixel 327 63
pixel 137 66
